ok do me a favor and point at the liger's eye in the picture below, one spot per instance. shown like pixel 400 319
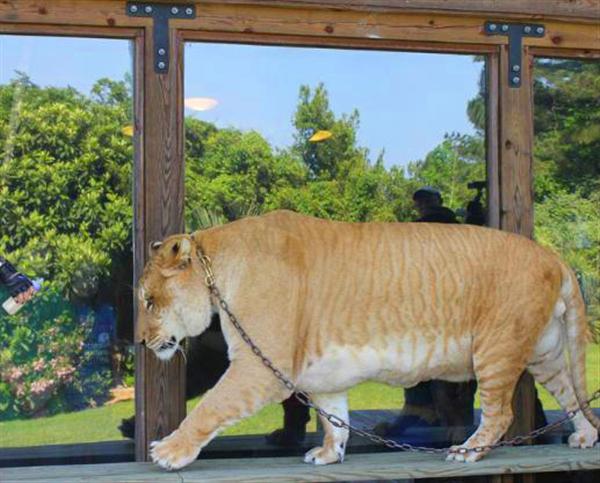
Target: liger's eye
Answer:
pixel 149 303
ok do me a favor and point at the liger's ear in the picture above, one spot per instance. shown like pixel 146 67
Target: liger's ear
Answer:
pixel 153 247
pixel 182 249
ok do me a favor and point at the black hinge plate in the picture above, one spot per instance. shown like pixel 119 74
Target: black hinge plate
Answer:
pixel 161 13
pixel 515 33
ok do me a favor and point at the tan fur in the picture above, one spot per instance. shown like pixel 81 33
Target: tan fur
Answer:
pixel 333 304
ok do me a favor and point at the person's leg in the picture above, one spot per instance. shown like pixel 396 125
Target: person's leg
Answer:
pixel 295 417
pixel 418 410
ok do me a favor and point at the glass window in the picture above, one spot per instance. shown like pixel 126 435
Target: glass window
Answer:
pixel 66 151
pixel 567 188
pixel 342 135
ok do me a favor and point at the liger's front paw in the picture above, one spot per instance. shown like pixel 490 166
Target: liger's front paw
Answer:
pixel 173 452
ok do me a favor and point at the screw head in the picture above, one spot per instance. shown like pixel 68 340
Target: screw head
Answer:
pixel 189 11
pixel 527 29
pixel 516 79
pixel 161 65
pixel 540 30
pixel 161 51
pixel 492 27
pixel 133 9
pixel 174 10
pixel 504 28
pixel 516 68
pixel 148 9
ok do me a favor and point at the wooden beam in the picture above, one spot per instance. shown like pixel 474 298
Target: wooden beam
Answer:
pixel 516 198
pixel 160 386
pixel 559 9
pixel 261 19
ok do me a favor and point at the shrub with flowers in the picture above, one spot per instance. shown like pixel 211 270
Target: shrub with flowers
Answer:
pixel 48 363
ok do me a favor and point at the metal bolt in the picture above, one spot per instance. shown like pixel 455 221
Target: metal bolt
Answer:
pixel 516 79
pixel 505 28
pixel 189 11
pixel 148 9
pixel 527 29
pixel 516 68
pixel 492 27
pixel 133 9
pixel 161 65
pixel 174 10
pixel 540 30
pixel 162 51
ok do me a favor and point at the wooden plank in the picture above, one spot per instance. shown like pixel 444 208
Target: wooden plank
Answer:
pixel 379 466
pixel 335 43
pixel 564 54
pixel 68 30
pixel 262 19
pixel 573 9
pixel 160 386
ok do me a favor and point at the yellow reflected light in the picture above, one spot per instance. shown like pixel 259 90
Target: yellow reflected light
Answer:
pixel 200 103
pixel 127 131
pixel 320 136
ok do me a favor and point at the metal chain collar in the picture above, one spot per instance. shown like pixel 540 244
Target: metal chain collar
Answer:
pixel 338 422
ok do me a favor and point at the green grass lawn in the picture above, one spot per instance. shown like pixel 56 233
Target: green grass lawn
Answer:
pixel 100 424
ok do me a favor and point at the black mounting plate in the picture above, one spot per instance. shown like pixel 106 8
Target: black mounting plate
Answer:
pixel 515 33
pixel 161 13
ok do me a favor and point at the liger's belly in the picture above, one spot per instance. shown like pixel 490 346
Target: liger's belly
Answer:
pixel 403 362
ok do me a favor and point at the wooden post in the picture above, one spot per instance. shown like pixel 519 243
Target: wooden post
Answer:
pixel 516 198
pixel 159 386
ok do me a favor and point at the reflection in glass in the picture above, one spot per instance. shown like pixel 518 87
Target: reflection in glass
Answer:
pixel 66 361
pixel 567 183
pixel 344 135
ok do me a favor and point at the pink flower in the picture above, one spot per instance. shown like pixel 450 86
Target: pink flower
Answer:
pixel 15 374
pixel 38 365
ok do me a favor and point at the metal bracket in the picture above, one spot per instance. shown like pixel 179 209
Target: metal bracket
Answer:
pixel 515 33
pixel 161 13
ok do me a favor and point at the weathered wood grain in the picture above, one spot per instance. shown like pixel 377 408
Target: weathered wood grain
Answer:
pixel 378 466
pixel 516 148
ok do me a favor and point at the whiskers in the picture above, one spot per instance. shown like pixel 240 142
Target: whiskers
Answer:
pixel 180 349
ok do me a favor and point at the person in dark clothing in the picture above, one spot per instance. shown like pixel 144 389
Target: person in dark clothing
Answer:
pixel 19 286
pixel 428 202
pixel 433 403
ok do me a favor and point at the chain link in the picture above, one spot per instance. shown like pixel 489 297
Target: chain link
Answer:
pixel 338 422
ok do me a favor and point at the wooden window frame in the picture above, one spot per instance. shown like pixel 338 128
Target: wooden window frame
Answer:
pixel 445 26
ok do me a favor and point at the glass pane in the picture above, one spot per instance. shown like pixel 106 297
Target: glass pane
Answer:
pixel 66 357
pixel 567 188
pixel 342 135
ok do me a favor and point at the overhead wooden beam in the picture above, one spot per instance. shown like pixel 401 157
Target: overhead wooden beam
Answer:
pixel 311 22
pixel 586 10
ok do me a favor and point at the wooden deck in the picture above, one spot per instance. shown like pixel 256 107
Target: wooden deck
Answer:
pixel 357 467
